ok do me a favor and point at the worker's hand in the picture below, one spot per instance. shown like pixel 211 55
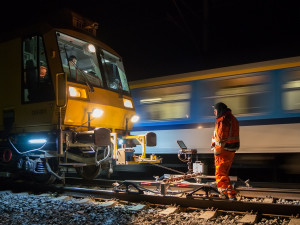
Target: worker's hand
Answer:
pixel 212 147
pixel 216 152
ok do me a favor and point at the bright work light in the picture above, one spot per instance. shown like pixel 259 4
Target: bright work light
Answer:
pixel 77 92
pixel 127 103
pixel 37 141
pixel 135 118
pixel 97 113
pixel 91 48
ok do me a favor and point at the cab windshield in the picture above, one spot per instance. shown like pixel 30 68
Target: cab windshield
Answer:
pixel 80 63
pixel 114 72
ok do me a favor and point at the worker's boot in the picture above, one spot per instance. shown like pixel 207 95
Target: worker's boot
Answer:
pixel 223 193
pixel 231 194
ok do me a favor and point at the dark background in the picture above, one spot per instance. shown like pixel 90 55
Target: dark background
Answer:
pixel 163 37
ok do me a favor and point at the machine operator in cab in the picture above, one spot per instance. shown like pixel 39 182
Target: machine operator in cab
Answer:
pixel 225 142
pixel 72 60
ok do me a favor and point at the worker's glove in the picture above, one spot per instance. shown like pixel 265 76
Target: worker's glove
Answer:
pixel 212 147
pixel 216 152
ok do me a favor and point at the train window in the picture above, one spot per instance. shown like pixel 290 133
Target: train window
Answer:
pixel 37 81
pixel 165 103
pixel 291 90
pixel 244 95
pixel 114 72
pixel 79 60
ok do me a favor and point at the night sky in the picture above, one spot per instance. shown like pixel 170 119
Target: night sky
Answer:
pixel 163 37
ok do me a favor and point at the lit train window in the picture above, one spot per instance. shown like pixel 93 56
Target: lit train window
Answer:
pixel 79 60
pixel 166 103
pixel 291 90
pixel 245 95
pixel 37 84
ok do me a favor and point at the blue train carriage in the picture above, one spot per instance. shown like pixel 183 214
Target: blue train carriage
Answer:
pixel 65 102
pixel 264 96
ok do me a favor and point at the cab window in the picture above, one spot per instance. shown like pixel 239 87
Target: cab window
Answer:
pixel 114 72
pixel 37 84
pixel 79 60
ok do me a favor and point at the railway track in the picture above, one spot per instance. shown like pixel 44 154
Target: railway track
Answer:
pixel 267 192
pixel 164 209
pixel 262 201
pixel 263 207
pixel 78 204
pixel 282 202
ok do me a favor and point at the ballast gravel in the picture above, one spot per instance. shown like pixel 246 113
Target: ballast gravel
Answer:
pixel 23 208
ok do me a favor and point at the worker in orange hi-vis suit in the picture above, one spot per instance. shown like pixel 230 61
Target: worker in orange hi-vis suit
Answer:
pixel 225 142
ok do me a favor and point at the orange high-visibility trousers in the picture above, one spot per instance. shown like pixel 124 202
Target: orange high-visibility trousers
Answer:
pixel 223 163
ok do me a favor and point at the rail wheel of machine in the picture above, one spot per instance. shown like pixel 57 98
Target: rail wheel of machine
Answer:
pixel 88 172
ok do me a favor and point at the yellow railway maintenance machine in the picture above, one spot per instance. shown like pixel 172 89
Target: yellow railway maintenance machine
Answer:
pixel 65 102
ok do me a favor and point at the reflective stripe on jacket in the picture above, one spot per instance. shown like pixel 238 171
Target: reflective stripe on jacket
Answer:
pixel 226 133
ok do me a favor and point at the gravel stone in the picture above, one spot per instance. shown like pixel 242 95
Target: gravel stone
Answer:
pixel 26 209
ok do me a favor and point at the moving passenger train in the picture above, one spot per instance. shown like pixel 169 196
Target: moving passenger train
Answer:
pixel 57 112
pixel 265 98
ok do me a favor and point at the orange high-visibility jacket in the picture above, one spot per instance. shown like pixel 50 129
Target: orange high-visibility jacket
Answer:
pixel 226 134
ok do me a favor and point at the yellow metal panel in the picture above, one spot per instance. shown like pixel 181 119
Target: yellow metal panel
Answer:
pixel 114 115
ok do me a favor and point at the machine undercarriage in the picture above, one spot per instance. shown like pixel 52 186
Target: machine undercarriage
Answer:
pixel 89 153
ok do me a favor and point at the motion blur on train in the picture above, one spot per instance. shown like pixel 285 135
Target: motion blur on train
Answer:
pixel 265 98
pixel 58 113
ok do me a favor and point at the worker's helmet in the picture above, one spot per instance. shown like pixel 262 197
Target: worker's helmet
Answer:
pixel 221 108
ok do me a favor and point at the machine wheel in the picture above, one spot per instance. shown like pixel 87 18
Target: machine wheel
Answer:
pixel 88 172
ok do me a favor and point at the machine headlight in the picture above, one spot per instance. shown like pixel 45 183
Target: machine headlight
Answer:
pixel 127 103
pixel 134 118
pixel 97 113
pixel 37 141
pixel 77 92
pixel 91 48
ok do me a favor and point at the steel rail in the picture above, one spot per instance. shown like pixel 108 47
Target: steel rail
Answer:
pixel 243 191
pixel 293 194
